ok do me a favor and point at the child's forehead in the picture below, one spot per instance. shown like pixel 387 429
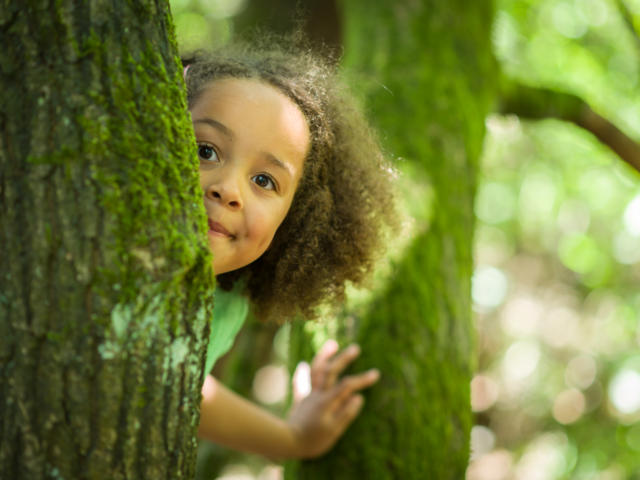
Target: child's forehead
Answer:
pixel 252 89
pixel 256 115
pixel 251 96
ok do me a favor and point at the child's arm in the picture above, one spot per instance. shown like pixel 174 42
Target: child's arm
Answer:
pixel 315 422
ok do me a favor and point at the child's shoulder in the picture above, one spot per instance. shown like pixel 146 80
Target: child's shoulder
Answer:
pixel 230 312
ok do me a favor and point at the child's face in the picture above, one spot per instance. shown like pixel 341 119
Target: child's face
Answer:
pixel 252 142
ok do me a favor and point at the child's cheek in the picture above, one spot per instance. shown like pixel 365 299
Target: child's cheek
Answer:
pixel 264 221
pixel 261 233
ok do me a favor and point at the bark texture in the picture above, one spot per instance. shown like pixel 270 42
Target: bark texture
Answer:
pixel 427 72
pixel 105 274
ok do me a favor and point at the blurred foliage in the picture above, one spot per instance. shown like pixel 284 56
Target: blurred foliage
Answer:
pixel 555 290
pixel 204 24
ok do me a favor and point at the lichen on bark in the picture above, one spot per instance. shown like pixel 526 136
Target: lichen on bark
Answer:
pixel 106 275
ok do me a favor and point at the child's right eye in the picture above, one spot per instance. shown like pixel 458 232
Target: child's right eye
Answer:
pixel 207 153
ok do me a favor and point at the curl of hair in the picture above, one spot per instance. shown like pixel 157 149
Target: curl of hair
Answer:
pixel 335 227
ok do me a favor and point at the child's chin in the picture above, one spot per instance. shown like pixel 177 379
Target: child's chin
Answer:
pixel 220 268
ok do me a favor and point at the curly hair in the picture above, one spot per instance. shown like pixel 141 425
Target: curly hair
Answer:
pixel 335 227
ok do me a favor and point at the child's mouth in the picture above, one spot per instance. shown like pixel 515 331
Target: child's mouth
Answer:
pixel 218 230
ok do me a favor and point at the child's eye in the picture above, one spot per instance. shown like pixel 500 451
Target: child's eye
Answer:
pixel 264 181
pixel 207 153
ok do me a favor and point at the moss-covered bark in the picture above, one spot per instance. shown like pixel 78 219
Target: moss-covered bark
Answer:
pixel 105 277
pixel 427 71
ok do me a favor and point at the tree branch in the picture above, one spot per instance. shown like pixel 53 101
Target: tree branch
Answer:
pixel 535 103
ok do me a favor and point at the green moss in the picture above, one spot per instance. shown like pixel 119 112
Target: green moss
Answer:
pixel 116 253
pixel 146 195
pixel 432 68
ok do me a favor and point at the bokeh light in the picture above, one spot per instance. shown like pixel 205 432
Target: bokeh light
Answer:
pixel 553 350
pixel 488 287
pixel 632 217
pixel 482 441
pixel 222 8
pixel 270 384
pixel 581 371
pixel 569 406
pixel 495 465
pixel 520 360
pixel 544 458
pixel 624 391
pixel 484 392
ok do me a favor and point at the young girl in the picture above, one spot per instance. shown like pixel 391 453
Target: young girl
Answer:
pixel 297 197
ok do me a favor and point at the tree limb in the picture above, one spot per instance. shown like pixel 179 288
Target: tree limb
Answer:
pixel 537 103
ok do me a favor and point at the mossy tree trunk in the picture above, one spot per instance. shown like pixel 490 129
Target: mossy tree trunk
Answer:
pixel 427 71
pixel 105 275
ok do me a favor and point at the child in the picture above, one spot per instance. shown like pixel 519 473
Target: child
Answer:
pixel 297 197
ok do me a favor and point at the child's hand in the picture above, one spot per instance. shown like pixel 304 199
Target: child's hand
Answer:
pixel 320 418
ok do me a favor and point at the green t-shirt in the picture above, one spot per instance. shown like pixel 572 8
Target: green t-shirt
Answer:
pixel 229 312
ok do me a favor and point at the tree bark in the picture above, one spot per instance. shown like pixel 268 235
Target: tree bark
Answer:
pixel 428 73
pixel 106 283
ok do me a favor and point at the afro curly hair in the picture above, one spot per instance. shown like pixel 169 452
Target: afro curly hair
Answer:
pixel 335 228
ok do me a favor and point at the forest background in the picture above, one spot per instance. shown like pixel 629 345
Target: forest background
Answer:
pixel 556 391
pixel 104 310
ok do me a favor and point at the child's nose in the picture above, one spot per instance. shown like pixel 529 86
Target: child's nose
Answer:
pixel 227 193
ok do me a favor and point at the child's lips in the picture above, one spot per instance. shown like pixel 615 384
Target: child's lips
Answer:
pixel 218 230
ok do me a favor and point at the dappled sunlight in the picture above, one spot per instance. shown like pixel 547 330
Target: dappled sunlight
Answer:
pixel 271 384
pixel 557 393
pixel 581 371
pixel 624 392
pixel 488 288
pixel 568 406
pixel 554 313
pixel 520 361
pixel 484 392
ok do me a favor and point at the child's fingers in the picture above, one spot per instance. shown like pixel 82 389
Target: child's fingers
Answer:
pixel 342 392
pixel 337 365
pixel 320 362
pixel 349 411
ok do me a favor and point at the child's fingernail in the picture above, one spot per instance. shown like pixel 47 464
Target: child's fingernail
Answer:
pixel 331 344
pixel 354 349
pixel 374 373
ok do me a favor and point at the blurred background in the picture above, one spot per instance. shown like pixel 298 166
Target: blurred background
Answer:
pixel 557 254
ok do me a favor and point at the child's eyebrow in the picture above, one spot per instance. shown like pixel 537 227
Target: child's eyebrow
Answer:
pixel 273 160
pixel 217 125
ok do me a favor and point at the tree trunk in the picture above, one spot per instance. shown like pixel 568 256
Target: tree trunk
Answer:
pixel 106 282
pixel 319 20
pixel 427 71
